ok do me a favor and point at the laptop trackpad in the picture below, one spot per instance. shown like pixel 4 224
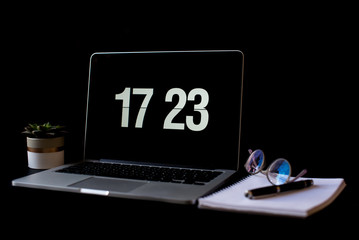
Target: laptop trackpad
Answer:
pixel 117 185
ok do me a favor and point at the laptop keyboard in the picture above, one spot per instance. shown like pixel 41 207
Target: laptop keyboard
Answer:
pixel 143 172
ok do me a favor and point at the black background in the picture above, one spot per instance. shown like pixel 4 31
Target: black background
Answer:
pixel 299 79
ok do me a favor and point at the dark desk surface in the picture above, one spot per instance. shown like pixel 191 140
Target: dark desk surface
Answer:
pixel 35 211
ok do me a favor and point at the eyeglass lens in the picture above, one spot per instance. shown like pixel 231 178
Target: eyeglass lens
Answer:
pixel 255 162
pixel 279 171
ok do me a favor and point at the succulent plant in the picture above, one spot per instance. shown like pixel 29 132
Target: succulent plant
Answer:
pixel 45 130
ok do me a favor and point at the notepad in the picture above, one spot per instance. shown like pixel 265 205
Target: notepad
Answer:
pixel 299 203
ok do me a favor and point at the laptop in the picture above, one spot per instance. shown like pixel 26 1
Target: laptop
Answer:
pixel 160 125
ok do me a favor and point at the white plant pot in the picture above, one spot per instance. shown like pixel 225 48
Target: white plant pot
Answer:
pixel 45 153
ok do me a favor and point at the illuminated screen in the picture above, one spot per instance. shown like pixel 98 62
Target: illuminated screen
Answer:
pixel 181 108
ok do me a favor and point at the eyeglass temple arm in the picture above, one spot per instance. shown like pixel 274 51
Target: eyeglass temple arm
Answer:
pixel 304 171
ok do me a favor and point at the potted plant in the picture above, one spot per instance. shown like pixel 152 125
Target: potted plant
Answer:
pixel 45 145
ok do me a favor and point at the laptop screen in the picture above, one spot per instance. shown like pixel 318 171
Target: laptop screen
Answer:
pixel 179 107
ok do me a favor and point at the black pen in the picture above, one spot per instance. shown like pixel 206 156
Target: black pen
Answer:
pixel 266 191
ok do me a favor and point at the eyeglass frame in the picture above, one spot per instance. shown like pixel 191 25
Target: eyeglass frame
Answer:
pixel 265 172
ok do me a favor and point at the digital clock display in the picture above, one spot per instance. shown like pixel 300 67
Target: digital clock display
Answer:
pixel 181 107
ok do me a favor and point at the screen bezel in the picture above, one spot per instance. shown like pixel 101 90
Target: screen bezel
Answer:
pixel 240 66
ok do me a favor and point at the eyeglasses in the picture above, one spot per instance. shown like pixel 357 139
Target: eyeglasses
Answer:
pixel 277 173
